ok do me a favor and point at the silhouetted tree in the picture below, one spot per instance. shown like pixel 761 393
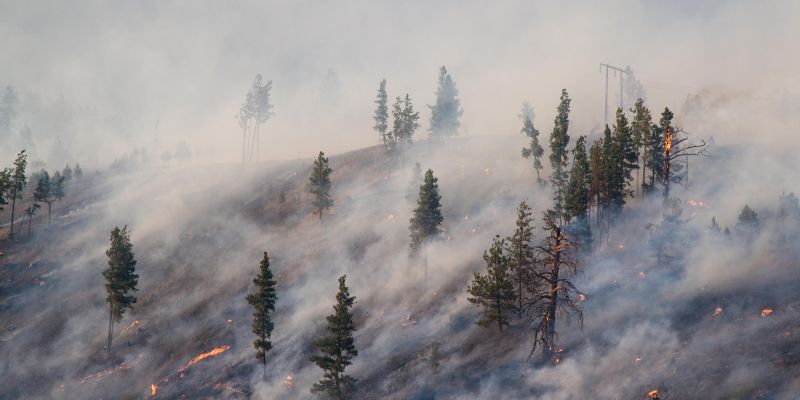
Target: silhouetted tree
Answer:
pixel 640 131
pixel 17 181
pixel 535 149
pixel 44 192
pixel 256 110
pixel 559 139
pixel 319 185
pixel 521 255
pixel 427 218
pixel 494 292
pixel 30 211
pixel 5 186
pixel 337 348
pixel 382 113
pixel 121 278
pixel 263 302
pixel 67 173
pixel 577 200
pixel 78 171
pixel 445 113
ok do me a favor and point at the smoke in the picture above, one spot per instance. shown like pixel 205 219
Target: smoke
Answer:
pixel 138 76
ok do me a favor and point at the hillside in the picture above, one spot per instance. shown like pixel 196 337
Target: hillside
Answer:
pixel 688 323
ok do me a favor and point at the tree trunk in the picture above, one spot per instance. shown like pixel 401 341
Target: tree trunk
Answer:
pixel 13 207
pixel 553 291
pixel 110 326
pixel 48 212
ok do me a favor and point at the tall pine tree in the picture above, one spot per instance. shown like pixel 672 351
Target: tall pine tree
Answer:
pixel 337 348
pixel 263 302
pixel 494 292
pixel 535 149
pixel 447 111
pixel 559 139
pixel 381 116
pixel 121 278
pixel 521 255
pixel 640 131
pixel 577 198
pixel 427 218
pixel 319 185
pixel 18 180
pixel 44 192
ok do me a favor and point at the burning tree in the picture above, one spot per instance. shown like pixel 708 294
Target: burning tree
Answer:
pixel 121 278
pixel 552 291
pixel 675 148
pixel 263 302
pixel 494 292
pixel 319 184
pixel 427 217
pixel 338 348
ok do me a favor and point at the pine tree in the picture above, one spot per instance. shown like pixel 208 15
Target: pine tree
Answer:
pixel 446 112
pixel 521 256
pixel 396 136
pixel 625 162
pixel 598 183
pixel 382 113
pixel 640 131
pixel 655 156
pixel 405 123
pixel 535 150
pixel 577 197
pixel 255 111
pixel 553 291
pixel 665 128
pixel 748 219
pixel 17 181
pixel 319 185
pixel 559 139
pixel 78 171
pixel 5 186
pixel 44 192
pixel 263 302
pixel 30 211
pixel 337 348
pixel 427 218
pixel 121 278
pixel 494 292
pixel 57 183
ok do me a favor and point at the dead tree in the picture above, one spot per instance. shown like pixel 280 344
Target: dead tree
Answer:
pixel 552 292
pixel 673 151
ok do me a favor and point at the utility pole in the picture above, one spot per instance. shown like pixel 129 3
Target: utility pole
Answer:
pixel 616 69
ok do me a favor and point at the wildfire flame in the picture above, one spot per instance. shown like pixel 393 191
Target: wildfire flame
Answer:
pixel 717 311
pixel 211 353
pixel 653 394
pixel 697 203
pixel 153 389
pixel 390 217
pixel 668 140
pixel 641 275
pixel 288 381
pixel 637 361
pixel 134 323
pixel 767 311
pixel 581 297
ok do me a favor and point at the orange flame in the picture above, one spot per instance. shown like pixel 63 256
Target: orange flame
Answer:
pixel 641 275
pixel 103 374
pixel 668 140
pixel 390 217
pixel 717 311
pixel 653 394
pixel 767 311
pixel 288 381
pixel 134 323
pixel 211 353
pixel 637 361
pixel 153 389
pixel 581 297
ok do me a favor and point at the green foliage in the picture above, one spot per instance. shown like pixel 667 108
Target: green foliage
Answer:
pixel 559 139
pixel 67 173
pixel 578 195
pixel 43 190
pixel 446 112
pixel 16 183
pixel 640 132
pixel 5 186
pixel 748 218
pixel 121 277
pixel 494 292
pixel 381 116
pixel 405 123
pixel 263 302
pixel 427 217
pixel 319 185
pixel 535 149
pixel 57 182
pixel 521 255
pixel 337 348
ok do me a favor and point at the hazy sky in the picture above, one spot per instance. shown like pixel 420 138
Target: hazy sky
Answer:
pixel 187 65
